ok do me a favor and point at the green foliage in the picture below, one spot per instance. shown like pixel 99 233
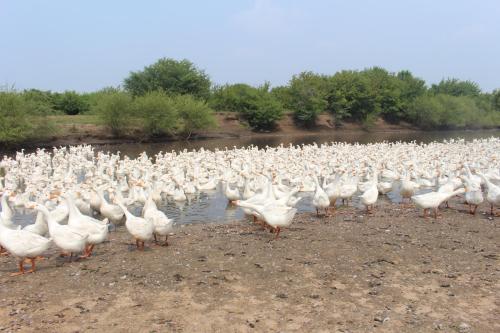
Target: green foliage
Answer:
pixel 308 97
pixel 258 106
pixel 194 114
pixel 158 113
pixel 349 96
pixel 70 103
pixel 456 87
pixel 452 112
pixel 171 76
pixel 39 102
pixel 495 99
pixel 114 109
pixel 18 122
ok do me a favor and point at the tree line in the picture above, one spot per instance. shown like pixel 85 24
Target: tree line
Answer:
pixel 175 97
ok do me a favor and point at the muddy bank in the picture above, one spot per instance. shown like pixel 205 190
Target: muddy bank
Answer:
pixel 390 272
pixel 228 127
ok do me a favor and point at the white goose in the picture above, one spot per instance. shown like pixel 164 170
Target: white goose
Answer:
pixel 96 230
pixel 23 245
pixel 162 224
pixel 113 212
pixel 432 200
pixel 320 199
pixel 40 226
pixel 493 194
pixel 370 196
pixel 67 238
pixel 140 228
pixel 274 215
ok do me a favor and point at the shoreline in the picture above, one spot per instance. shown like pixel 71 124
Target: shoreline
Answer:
pixel 392 271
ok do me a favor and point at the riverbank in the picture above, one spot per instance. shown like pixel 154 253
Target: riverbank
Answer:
pixel 390 272
pixel 87 129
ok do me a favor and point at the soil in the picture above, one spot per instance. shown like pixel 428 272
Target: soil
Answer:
pixel 392 271
pixel 228 126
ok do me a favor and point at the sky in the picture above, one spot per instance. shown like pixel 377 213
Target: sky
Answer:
pixel 85 45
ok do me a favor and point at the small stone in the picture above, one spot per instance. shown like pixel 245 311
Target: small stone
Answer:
pixel 282 295
pixel 464 328
pixel 445 284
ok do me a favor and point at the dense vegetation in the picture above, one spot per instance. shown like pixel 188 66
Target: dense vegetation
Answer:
pixel 173 97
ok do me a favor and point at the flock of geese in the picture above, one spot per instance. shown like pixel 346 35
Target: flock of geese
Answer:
pixel 78 193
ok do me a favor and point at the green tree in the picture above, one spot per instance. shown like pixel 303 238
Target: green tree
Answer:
pixel 114 109
pixel 495 100
pixel 257 105
pixel 410 88
pixel 456 87
pixel 171 76
pixel 349 96
pixel 158 113
pixel 39 102
pixel 385 89
pixel 70 103
pixel 194 114
pixel 308 97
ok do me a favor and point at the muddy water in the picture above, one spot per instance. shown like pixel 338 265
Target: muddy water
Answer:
pixel 213 207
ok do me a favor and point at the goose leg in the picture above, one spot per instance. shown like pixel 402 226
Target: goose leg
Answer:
pixel 491 210
pixel 425 213
pixel 3 251
pixel 33 267
pixel 326 212
pixel 166 241
pixel 435 213
pixel 21 269
pixel 470 209
pixel 317 212
pixel 156 240
pixel 278 229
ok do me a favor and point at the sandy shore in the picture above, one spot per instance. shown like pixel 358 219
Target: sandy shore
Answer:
pixel 390 272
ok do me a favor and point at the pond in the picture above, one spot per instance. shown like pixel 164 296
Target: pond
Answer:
pixel 213 207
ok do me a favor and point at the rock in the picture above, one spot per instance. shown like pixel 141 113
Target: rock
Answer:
pixel 360 219
pixel 464 328
pixel 444 284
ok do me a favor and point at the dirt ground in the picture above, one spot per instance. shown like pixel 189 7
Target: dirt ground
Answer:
pixel 390 272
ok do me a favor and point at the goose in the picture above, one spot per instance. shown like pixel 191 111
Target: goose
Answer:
pixel 140 228
pixel 231 194
pixel 432 200
pixel 6 214
pixel 113 212
pixel 40 226
pixel 274 215
pixel 96 230
pixel 320 199
pixel 162 224
pixel 332 190
pixel 493 194
pixel 473 195
pixel 179 195
pixel 67 238
pixel 408 188
pixel 347 190
pixel 370 196
pixel 23 245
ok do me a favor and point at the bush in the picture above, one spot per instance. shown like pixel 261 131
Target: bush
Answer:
pixel 258 106
pixel 70 103
pixel 39 102
pixel 349 97
pixel 194 114
pixel 158 113
pixel 452 112
pixel 114 111
pixel 308 97
pixel 171 76
pixel 455 87
pixel 17 121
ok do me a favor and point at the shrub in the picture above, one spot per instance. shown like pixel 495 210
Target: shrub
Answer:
pixel 308 97
pixel 456 87
pixel 70 103
pixel 158 113
pixel 18 123
pixel 258 106
pixel 171 76
pixel 194 114
pixel 114 111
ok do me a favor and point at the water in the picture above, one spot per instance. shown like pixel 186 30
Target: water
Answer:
pixel 213 207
